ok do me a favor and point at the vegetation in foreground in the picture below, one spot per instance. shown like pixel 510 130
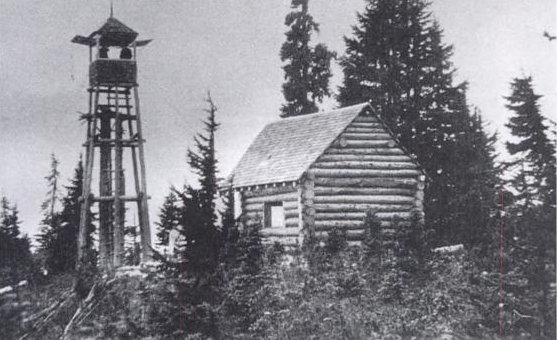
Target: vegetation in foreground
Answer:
pixel 224 284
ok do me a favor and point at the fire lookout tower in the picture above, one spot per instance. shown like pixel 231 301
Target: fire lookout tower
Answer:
pixel 113 128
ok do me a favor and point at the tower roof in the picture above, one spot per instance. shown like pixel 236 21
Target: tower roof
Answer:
pixel 112 33
pixel 115 33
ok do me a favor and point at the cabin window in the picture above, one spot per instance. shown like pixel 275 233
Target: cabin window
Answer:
pixel 274 215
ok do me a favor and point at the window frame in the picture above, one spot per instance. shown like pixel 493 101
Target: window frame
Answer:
pixel 268 215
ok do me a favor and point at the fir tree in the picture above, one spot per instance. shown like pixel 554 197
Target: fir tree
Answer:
pixel 472 180
pixel 203 235
pixel 230 232
pixel 168 219
pixel 530 242
pixel 16 262
pixel 307 69
pixel 9 219
pixel 396 60
pixel 373 240
pixel 52 194
pixel 193 272
pixel 47 237
pixel 70 216
pixel 533 145
pixel 246 279
pixel 58 237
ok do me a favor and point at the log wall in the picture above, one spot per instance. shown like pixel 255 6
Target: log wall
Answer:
pixel 364 169
pixel 253 207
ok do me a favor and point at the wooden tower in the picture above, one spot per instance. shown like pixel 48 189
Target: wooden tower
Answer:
pixel 114 133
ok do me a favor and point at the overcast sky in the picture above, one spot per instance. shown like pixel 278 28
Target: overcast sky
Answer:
pixel 228 47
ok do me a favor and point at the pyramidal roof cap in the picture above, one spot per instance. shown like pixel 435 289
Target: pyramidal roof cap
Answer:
pixel 112 33
pixel 115 33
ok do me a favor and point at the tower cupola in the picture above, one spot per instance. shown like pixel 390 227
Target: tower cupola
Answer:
pixel 112 52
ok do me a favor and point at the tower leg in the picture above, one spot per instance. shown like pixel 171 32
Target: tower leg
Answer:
pixel 119 212
pixel 135 165
pixel 145 228
pixel 86 188
pixel 105 189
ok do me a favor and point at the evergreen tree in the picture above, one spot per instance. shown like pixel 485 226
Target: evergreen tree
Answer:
pixel 168 219
pixel 307 69
pixel 194 271
pixel 52 194
pixel 396 60
pixel 473 181
pixel 530 242
pixel 69 224
pixel 202 237
pixel 373 238
pixel 16 262
pixel 50 224
pixel 58 237
pixel 246 279
pixel 533 145
pixel 230 232
pixel 9 219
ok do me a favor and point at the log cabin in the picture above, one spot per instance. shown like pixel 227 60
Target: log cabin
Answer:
pixel 322 171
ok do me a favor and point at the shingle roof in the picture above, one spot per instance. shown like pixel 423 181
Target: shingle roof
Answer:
pixel 115 33
pixel 285 149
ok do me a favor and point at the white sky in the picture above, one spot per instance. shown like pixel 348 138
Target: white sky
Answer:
pixel 228 47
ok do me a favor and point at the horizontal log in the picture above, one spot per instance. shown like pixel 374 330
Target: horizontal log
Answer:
pixel 326 216
pixel 289 216
pixel 267 232
pixel 290 205
pixel 255 221
pixel 355 173
pixel 254 207
pixel 268 191
pixel 366 119
pixel 379 182
pixel 292 224
pixel 361 207
pixel 371 199
pixel 286 197
pixel 348 143
pixel 125 143
pixel 365 165
pixel 351 129
pixel 291 220
pixel 346 225
pixel 359 216
pixel 324 191
pixel 365 151
pixel 291 213
pixel 122 116
pixel 112 198
pixel 287 205
pixel 350 225
pixel 259 218
pixel 366 136
pixel 364 158
pixel 401 215
pixel 366 125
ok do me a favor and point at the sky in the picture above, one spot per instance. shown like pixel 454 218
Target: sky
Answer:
pixel 229 48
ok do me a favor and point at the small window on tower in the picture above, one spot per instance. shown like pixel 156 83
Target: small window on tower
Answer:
pixel 274 215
